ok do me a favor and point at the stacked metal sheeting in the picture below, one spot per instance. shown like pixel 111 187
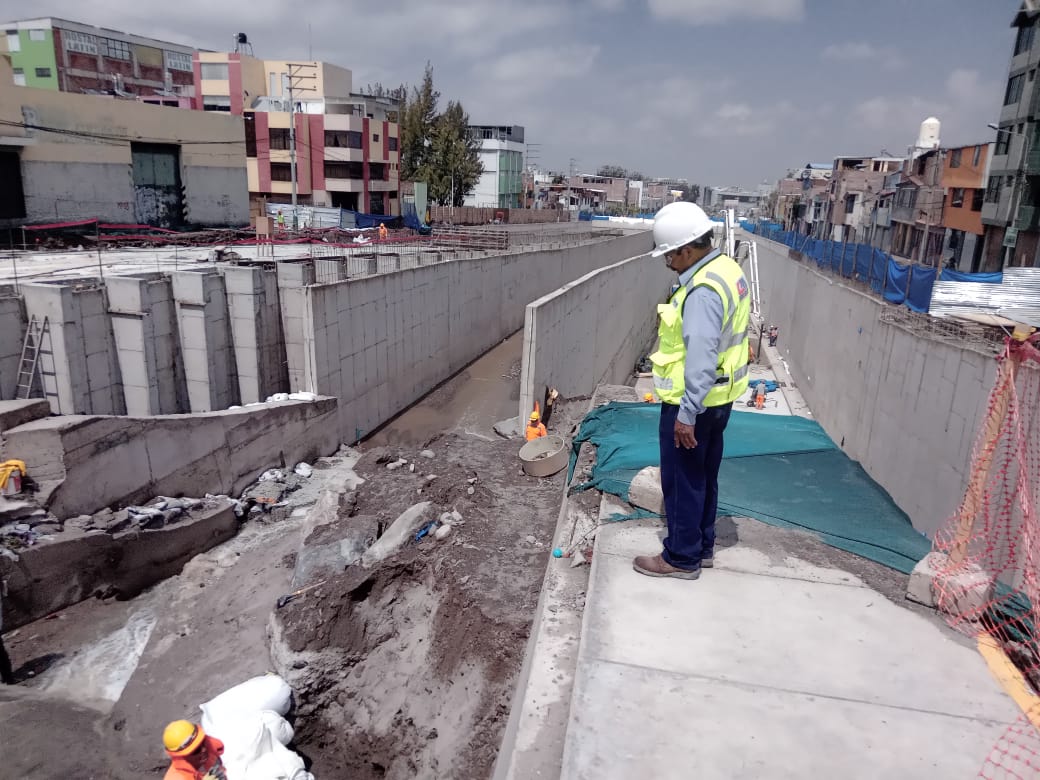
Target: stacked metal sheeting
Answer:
pixel 1015 299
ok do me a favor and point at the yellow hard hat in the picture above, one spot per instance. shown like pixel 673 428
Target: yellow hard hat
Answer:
pixel 535 416
pixel 182 738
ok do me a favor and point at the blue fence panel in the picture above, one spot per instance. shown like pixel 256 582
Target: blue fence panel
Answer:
pixel 949 275
pixel 878 268
pixel 848 260
pixel 863 262
pixel 919 291
pixel 895 284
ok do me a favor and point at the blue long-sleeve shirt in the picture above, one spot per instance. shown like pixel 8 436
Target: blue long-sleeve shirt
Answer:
pixel 702 331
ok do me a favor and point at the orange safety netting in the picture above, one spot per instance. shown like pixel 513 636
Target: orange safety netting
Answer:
pixel 988 579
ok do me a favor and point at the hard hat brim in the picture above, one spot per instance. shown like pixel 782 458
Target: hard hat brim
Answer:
pixel 191 747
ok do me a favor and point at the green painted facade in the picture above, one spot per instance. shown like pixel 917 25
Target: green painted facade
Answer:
pixel 36 59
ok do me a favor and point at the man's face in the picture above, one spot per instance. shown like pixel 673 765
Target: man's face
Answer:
pixel 676 259
pixel 200 757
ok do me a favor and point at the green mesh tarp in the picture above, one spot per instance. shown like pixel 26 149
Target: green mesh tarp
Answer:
pixel 781 470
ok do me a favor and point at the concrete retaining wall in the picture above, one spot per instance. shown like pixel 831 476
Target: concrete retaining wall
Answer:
pixel 84 464
pixel 12 334
pixel 905 406
pixel 380 344
pixel 591 331
pixel 50 577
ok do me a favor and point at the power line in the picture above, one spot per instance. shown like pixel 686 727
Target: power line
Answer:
pixel 112 138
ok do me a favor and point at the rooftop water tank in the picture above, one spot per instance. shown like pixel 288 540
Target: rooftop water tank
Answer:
pixel 928 138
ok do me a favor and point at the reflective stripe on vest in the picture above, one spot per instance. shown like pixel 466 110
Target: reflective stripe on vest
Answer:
pixel 723 275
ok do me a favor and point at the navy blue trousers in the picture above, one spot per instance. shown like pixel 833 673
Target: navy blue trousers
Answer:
pixel 690 481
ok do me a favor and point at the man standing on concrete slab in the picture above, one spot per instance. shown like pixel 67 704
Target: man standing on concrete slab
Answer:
pixel 700 368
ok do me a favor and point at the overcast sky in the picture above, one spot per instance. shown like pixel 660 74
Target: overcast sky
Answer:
pixel 717 91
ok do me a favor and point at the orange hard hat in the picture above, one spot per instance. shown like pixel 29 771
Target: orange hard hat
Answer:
pixel 182 738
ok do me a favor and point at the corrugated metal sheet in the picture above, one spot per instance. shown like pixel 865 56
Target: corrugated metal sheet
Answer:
pixel 309 216
pixel 1017 295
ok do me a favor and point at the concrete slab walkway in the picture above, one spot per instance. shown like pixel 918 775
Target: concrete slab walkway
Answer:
pixel 768 666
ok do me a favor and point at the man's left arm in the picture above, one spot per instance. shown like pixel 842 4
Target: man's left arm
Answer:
pixel 702 332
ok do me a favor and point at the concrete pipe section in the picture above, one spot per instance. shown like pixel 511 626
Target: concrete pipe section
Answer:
pixel 544 457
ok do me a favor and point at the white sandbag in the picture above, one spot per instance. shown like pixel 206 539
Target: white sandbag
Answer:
pixel 303 396
pixel 267 692
pixel 278 726
pixel 245 738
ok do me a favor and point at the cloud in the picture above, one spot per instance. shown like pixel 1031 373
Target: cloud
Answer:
pixel 564 62
pixel 608 5
pixel 733 111
pixel 701 12
pixel 861 51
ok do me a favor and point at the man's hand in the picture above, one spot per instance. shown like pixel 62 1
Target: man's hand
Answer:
pixel 684 436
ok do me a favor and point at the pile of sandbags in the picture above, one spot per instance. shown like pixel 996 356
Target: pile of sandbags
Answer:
pixel 250 720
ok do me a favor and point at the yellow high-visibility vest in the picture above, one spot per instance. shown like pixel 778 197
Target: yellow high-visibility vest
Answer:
pixel 723 275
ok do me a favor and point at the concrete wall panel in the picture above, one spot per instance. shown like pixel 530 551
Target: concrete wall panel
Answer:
pixel 212 196
pixel 12 336
pixel 905 406
pixel 78 190
pixel 592 330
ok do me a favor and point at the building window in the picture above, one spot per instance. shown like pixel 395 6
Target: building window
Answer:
pixel 1032 74
pixel 19 77
pixel 79 42
pixel 37 35
pixel 176 60
pixel 993 189
pixel 977 196
pixel 281 172
pixel 957 201
pixel 343 139
pixel 214 71
pixel 392 144
pixel 976 157
pixel 850 203
pixel 113 49
pixel 1003 141
pixel 1024 39
pixel 955 158
pixel 216 103
pixel 14 43
pixel 279 138
pixel 344 170
pixel 1013 93
pixel 379 171
pixel 43 73
pixel 375 138
pixel 250 125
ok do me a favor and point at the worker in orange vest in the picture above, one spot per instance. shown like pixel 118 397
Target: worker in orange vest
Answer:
pixel 535 428
pixel 195 755
pixel 383 232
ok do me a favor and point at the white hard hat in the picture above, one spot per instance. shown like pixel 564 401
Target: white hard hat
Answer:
pixel 677 224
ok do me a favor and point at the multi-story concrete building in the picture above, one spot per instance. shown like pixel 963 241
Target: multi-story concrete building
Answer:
pixel 964 174
pixel 57 54
pixel 502 154
pixel 67 157
pixel 347 144
pixel 1011 207
pixel 918 208
pixel 854 186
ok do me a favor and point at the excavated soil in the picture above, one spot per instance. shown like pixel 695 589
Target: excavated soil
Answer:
pixel 407 669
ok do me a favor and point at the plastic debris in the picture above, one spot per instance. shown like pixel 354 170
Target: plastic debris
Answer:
pixel 272 475
pixel 557 552
pixel 303 396
pixel 303 469
pixel 470 490
pixel 426 530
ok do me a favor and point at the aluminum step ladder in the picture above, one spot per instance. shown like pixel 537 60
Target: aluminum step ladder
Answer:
pixel 28 368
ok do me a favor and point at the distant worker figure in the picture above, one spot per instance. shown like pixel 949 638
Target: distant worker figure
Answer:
pixel 760 396
pixel 700 368
pixel 383 232
pixel 281 221
pixel 774 333
pixel 194 755
pixel 535 428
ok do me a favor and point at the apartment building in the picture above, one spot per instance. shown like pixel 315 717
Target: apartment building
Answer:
pixel 855 182
pixel 964 173
pixel 65 56
pixel 1011 206
pixel 347 144
pixel 502 154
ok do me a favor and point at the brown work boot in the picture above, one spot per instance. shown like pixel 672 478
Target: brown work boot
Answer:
pixel 656 566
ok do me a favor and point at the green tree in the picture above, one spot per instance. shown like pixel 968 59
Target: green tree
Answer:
pixel 636 176
pixel 613 171
pixel 453 166
pixel 418 116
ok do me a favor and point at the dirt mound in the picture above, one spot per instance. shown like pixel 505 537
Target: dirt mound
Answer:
pixel 407 669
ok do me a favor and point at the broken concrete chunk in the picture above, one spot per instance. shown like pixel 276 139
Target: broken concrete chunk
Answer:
pixel 442 533
pixel 398 534
pixel 965 589
pixel 431 477
pixel 470 491
pixel 429 454
pixel 394 465
pixel 645 491
pixel 508 429
pixel 272 475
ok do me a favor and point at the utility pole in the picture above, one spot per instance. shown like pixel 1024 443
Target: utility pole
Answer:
pixel 570 175
pixel 296 79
